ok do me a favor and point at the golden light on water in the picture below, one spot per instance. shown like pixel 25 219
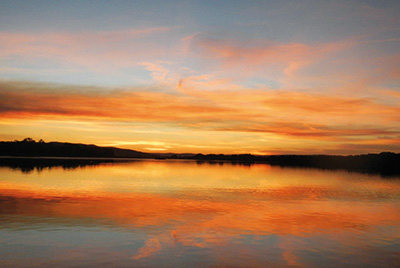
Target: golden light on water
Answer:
pixel 207 206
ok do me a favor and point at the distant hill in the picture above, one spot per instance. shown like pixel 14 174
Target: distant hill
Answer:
pixel 29 147
pixel 385 163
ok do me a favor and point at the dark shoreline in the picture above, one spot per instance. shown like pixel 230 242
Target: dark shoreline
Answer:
pixel 28 164
pixel 29 154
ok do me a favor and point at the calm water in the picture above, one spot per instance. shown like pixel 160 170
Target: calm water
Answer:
pixel 185 214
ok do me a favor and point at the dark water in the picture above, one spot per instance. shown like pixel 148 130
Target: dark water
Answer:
pixel 186 214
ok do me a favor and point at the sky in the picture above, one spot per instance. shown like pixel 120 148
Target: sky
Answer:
pixel 260 77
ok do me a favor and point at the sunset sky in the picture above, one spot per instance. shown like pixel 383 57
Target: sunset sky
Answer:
pixel 261 77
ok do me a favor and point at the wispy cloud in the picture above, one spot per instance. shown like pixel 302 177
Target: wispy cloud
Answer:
pixel 99 51
pixel 258 56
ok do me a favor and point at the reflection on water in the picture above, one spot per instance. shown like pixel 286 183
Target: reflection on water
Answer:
pixel 30 164
pixel 187 214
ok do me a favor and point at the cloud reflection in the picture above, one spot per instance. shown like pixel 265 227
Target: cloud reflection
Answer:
pixel 209 210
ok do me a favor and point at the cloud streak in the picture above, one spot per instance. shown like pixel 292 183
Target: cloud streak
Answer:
pixel 260 56
pixel 294 115
pixel 98 51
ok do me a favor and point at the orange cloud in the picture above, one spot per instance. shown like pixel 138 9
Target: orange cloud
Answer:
pixel 204 103
pixel 117 105
pixel 152 246
pixel 286 58
pixel 317 66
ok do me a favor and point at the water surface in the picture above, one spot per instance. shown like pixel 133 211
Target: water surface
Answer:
pixel 188 214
